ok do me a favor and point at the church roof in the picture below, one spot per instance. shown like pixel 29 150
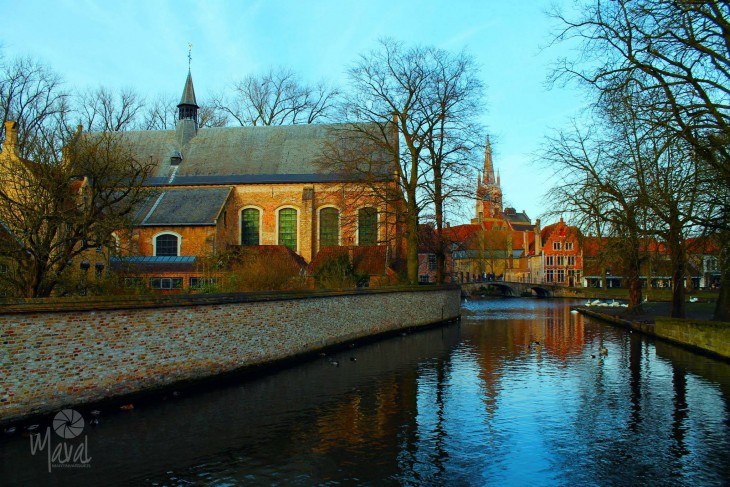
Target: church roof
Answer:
pixel 178 206
pixel 225 155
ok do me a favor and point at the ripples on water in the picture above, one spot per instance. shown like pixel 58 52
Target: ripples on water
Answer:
pixel 518 394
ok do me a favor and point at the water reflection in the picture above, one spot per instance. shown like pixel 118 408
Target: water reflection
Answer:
pixel 519 393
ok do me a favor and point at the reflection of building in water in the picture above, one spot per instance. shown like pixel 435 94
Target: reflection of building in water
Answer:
pixel 564 332
pixel 365 415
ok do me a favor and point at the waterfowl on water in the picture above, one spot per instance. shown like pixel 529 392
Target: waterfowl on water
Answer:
pixel 126 407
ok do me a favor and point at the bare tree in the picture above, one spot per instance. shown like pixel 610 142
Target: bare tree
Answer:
pixel 31 95
pixel 598 191
pixel 162 114
pixel 418 106
pixel 69 195
pixel 60 192
pixel 103 110
pixel 450 107
pixel 277 97
pixel 677 53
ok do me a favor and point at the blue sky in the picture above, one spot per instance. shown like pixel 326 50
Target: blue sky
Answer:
pixel 144 45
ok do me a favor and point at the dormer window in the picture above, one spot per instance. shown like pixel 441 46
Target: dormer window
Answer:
pixel 175 158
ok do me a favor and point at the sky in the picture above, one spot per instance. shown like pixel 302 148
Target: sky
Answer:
pixel 144 45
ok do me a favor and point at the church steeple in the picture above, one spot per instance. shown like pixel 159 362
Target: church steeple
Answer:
pixel 188 107
pixel 488 166
pixel 489 193
pixel 187 120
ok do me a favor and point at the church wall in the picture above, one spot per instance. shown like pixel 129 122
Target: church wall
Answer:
pixel 198 240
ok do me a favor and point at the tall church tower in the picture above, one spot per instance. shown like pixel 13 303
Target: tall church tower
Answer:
pixel 489 193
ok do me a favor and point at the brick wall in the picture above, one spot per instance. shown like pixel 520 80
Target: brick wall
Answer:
pixel 51 359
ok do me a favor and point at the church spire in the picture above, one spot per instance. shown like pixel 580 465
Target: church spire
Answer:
pixel 488 166
pixel 187 120
pixel 188 106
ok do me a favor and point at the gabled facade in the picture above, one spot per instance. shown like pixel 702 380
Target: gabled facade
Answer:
pixel 562 257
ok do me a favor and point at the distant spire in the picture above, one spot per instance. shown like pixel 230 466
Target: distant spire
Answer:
pixel 488 166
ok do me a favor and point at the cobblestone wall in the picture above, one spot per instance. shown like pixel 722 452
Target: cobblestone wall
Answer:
pixel 57 358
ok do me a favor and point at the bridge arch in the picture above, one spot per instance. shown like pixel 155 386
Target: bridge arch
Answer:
pixel 508 288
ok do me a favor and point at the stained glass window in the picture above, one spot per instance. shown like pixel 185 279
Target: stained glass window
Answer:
pixel 367 226
pixel 329 227
pixel 250 226
pixel 288 228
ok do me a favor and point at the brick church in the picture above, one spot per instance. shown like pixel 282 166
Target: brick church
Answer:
pixel 216 188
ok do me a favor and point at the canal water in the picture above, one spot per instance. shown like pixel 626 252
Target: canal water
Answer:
pixel 519 393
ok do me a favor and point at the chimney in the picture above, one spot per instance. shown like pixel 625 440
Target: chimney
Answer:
pixel 10 146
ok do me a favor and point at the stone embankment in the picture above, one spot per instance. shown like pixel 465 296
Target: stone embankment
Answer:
pixel 705 336
pixel 54 354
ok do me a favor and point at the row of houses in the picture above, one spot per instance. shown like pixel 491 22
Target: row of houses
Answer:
pixel 503 244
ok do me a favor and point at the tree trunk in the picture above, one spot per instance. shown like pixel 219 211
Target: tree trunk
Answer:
pixel 678 276
pixel 412 239
pixel 634 292
pixel 634 278
pixel 440 242
pixel 722 308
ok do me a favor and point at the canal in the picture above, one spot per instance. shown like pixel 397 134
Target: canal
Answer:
pixel 520 392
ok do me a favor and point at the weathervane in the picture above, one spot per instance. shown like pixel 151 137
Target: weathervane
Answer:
pixel 190 54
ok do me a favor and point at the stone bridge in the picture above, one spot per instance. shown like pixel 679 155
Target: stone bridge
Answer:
pixel 509 288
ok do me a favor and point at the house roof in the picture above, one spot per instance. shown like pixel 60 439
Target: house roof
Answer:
pixel 178 206
pixel 563 228
pixel 702 245
pixel 511 215
pixel 149 264
pixel 215 155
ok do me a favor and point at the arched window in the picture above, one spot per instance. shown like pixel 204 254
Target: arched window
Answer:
pixel 250 218
pixel 329 227
pixel 167 244
pixel 367 226
pixel 288 228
